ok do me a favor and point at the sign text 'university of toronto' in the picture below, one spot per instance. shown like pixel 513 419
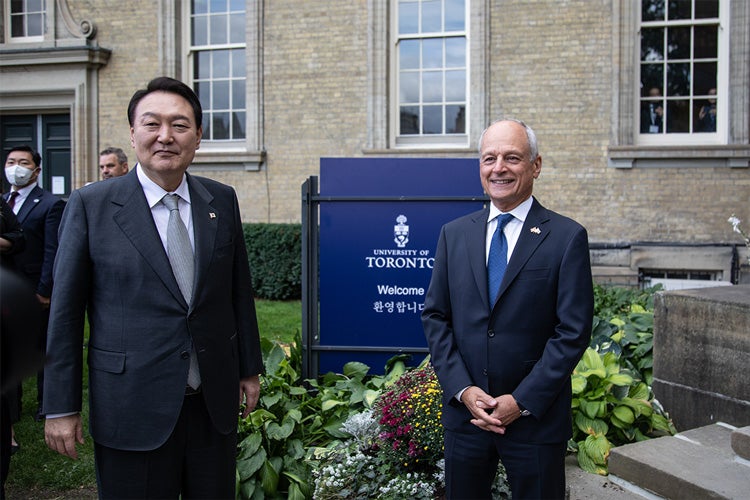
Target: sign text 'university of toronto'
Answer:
pixel 400 258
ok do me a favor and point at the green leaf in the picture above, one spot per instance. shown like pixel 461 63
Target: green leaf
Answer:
pixel 624 413
pixel 280 432
pixel 597 447
pixel 588 464
pixel 247 488
pixel 640 391
pixel 591 364
pixel 295 493
pixel 250 444
pixel 590 425
pixel 330 403
pixel 620 379
pixel 271 399
pixel 250 465
pixel 273 360
pixel 578 383
pixel 370 396
pixel 260 416
pixel 356 370
pixel 297 391
pixel 295 449
pixel 269 478
pixel 593 409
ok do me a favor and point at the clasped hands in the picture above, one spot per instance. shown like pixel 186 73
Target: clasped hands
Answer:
pixel 490 414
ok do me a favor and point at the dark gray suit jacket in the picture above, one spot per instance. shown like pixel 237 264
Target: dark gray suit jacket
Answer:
pixel 530 341
pixel 112 263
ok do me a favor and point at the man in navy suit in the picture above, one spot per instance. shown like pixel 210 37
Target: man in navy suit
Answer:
pixel 39 213
pixel 505 364
pixel 157 432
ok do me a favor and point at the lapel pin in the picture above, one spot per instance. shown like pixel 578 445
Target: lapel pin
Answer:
pixel 211 215
pixel 535 230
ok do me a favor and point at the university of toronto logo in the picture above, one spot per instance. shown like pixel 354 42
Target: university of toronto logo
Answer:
pixel 401 232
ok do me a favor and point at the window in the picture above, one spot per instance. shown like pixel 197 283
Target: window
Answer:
pixel 682 86
pixel 218 66
pixel 684 48
pixel 26 20
pixel 431 70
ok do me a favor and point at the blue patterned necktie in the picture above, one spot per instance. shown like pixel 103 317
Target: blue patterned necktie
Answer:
pixel 180 253
pixel 498 258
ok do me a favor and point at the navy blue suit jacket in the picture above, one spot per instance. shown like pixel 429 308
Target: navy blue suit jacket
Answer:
pixel 40 218
pixel 528 343
pixel 112 264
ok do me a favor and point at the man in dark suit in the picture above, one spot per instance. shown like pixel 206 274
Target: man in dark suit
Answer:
pixel 158 432
pixel 505 363
pixel 39 213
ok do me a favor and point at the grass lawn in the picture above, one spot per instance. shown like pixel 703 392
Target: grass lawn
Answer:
pixel 38 472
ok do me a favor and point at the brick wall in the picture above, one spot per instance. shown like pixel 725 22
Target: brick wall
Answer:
pixel 551 65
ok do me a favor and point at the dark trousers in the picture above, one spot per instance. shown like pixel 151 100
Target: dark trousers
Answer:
pixel 196 462
pixel 534 471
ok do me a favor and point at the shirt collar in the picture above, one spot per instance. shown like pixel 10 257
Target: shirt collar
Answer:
pixel 154 192
pixel 520 212
pixel 26 190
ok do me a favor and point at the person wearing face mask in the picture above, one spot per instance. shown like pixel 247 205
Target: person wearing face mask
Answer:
pixel 39 213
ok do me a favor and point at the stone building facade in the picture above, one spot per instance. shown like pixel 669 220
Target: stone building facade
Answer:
pixel 321 80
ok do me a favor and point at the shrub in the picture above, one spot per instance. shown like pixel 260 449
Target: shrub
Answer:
pixel 294 416
pixel 275 255
pixel 610 407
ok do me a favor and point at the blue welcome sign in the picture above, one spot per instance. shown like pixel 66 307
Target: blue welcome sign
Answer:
pixel 379 223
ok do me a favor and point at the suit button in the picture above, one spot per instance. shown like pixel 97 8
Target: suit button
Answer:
pixel 484 372
pixel 491 333
pixel 185 355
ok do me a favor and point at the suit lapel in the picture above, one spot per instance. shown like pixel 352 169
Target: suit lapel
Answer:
pixel 205 222
pixel 475 241
pixel 32 201
pixel 135 220
pixel 534 231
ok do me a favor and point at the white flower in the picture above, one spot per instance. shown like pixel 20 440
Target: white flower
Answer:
pixel 735 222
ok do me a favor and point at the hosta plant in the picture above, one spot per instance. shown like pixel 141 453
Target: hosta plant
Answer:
pixel 610 407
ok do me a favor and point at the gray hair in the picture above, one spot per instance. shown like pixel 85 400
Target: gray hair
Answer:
pixel 121 156
pixel 530 135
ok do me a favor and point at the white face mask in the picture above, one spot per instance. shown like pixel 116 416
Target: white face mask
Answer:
pixel 18 176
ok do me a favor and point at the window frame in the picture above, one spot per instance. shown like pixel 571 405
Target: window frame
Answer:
pixel 382 96
pixel 420 139
pixel 248 153
pixel 45 12
pixel 626 152
pixel 722 86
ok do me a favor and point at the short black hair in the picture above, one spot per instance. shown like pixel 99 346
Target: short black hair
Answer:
pixel 166 84
pixel 36 157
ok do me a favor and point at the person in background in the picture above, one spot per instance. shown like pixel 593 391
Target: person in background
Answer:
pixel 39 212
pixel 707 114
pixel 174 347
pixel 652 112
pixel 113 162
pixel 507 317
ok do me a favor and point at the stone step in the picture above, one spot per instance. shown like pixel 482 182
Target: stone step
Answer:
pixel 695 464
pixel 741 442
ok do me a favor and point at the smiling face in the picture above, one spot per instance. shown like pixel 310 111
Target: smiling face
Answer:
pixel 165 137
pixel 505 165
